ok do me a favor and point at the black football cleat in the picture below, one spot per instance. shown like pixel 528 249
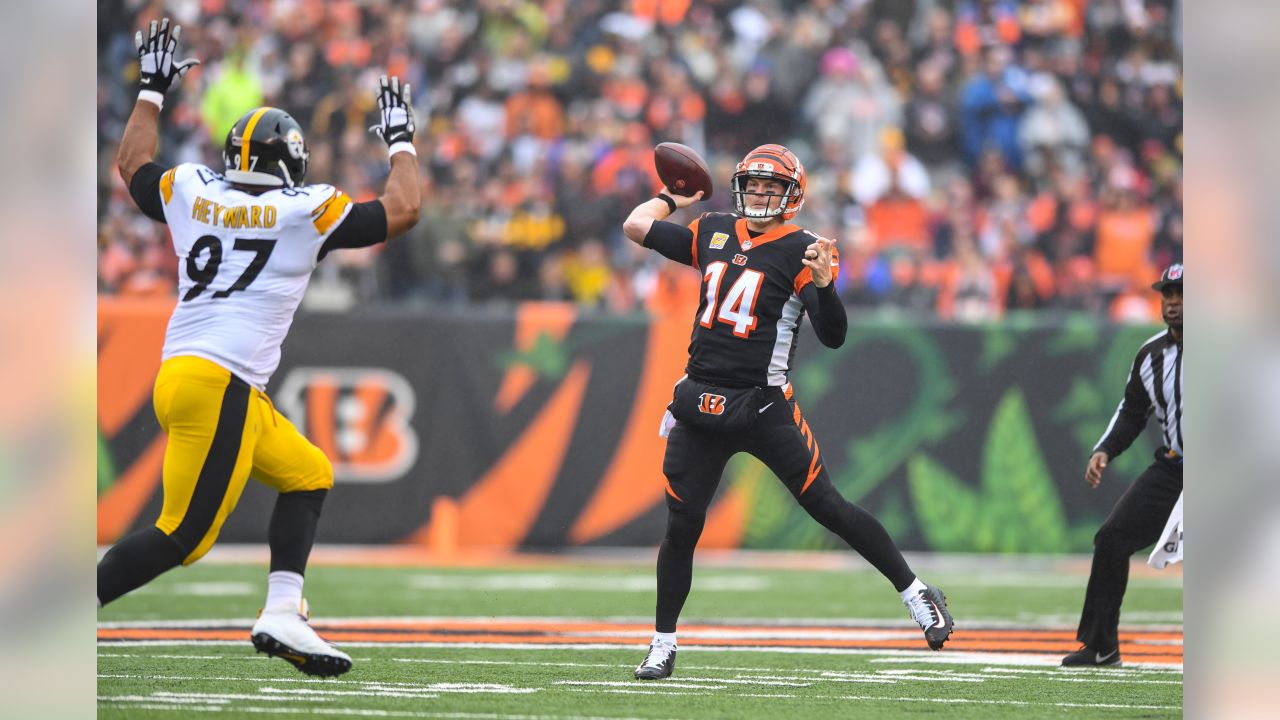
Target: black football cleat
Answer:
pixel 659 663
pixel 1089 657
pixel 929 609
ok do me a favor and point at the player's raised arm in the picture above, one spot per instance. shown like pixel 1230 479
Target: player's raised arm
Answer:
pixel 157 69
pixel 402 197
pixel 637 224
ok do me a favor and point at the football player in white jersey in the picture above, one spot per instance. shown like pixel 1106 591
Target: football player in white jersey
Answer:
pixel 247 239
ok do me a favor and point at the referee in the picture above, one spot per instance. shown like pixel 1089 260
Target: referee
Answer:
pixel 1155 384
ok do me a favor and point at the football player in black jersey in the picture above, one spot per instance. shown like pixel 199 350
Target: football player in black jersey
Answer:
pixel 760 276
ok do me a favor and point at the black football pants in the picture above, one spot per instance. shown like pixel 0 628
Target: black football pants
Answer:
pixel 782 440
pixel 1135 522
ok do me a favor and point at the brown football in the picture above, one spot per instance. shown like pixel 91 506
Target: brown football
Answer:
pixel 682 169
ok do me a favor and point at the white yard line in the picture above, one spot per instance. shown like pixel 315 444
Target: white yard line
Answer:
pixel 766 681
pixel 1076 671
pixel 1164 669
pixel 887 655
pixel 976 658
pixel 202 589
pixel 148 703
pixel 185 657
pixel 507 662
pixel 1135 675
pixel 633 683
pixel 875 698
pixel 694 694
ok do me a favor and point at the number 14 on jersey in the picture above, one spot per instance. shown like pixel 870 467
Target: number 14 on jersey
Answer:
pixel 738 308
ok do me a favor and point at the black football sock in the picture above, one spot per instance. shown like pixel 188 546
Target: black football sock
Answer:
pixel 292 531
pixel 861 530
pixel 135 561
pixel 675 566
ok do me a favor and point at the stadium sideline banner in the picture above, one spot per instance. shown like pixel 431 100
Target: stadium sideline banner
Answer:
pixel 538 428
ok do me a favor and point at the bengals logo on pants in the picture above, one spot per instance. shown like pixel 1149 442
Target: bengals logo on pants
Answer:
pixel 711 404
pixel 359 417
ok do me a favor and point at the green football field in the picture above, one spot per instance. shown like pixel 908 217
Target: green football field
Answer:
pixel 761 636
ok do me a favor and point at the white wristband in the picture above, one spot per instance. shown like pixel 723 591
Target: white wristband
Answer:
pixel 153 97
pixel 402 146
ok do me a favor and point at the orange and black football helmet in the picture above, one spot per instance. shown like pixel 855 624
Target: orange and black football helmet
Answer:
pixel 773 162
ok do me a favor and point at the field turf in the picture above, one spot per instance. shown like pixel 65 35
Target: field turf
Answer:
pixel 761 636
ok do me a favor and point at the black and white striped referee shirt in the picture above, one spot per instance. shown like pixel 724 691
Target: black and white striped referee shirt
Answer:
pixel 1155 384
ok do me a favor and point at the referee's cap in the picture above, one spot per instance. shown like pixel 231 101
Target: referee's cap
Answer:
pixel 1172 275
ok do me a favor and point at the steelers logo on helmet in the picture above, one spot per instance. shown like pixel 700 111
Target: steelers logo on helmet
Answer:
pixel 266 148
pixel 297 147
pixel 771 162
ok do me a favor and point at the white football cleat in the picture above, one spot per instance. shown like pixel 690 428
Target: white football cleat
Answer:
pixel 659 663
pixel 282 631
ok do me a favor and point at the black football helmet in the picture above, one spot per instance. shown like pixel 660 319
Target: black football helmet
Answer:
pixel 265 147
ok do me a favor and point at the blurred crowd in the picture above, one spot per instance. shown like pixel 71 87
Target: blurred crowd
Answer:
pixel 973 158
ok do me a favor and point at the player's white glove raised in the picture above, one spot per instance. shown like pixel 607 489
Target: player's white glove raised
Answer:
pixel 395 116
pixel 157 67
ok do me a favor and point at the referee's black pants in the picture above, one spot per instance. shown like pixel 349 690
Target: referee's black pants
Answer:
pixel 1135 522
pixel 782 440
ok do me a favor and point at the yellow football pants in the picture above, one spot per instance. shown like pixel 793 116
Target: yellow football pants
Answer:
pixel 221 431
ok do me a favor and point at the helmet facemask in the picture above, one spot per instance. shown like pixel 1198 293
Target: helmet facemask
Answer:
pixel 769 162
pixel 789 201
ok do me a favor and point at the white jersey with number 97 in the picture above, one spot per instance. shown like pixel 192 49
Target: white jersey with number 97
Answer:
pixel 244 262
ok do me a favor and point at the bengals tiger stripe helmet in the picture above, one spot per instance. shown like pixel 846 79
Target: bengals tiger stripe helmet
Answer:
pixel 773 162
pixel 265 147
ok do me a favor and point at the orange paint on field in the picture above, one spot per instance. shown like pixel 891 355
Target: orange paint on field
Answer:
pixel 1135 646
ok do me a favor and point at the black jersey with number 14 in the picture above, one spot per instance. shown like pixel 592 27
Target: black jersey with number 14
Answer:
pixel 750 310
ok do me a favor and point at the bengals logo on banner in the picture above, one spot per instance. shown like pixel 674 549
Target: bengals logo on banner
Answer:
pixel 711 404
pixel 359 417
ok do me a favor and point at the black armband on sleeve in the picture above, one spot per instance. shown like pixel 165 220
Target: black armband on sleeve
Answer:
pixel 364 225
pixel 672 241
pixel 144 188
pixel 826 312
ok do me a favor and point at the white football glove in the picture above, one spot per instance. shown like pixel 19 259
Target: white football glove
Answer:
pixel 395 113
pixel 156 65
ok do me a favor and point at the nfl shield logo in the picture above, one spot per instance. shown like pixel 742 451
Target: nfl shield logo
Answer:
pixel 1175 272
pixel 746 244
